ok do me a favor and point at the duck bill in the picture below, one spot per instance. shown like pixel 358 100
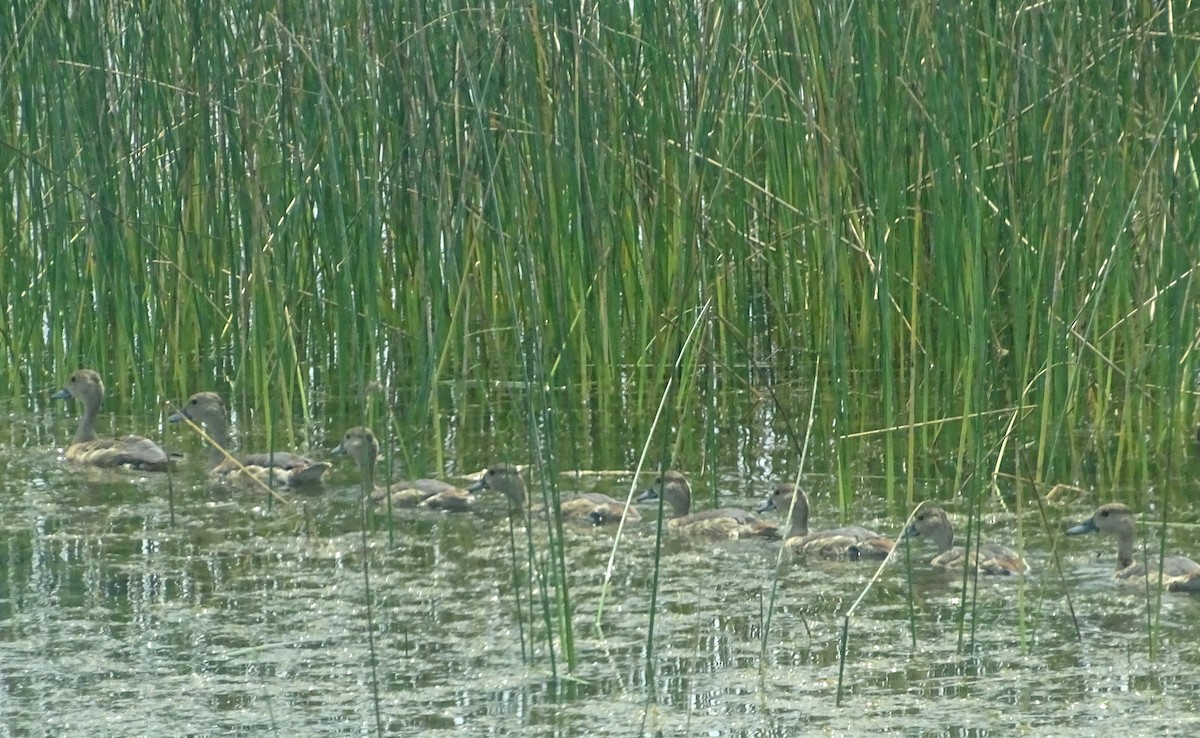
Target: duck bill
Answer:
pixel 647 495
pixel 478 485
pixel 767 506
pixel 1087 526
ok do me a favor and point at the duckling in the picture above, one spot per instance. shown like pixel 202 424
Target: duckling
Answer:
pixel 360 444
pixel 989 558
pixel 851 542
pixel 724 524
pixel 1179 573
pixel 134 452
pixel 279 468
pixel 588 508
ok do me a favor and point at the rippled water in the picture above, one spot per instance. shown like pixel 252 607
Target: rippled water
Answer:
pixel 154 605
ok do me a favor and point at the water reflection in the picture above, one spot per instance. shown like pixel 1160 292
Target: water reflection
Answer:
pixel 248 618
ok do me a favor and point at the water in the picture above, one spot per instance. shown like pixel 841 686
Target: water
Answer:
pixel 149 605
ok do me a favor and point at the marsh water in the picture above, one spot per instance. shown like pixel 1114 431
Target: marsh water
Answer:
pixel 139 604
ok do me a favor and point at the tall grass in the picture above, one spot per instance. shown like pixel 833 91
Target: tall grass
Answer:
pixel 962 208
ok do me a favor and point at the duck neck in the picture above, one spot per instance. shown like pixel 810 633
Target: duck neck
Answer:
pixel 219 433
pixel 87 424
pixel 799 513
pixel 366 465
pixel 680 502
pixel 944 539
pixel 1124 551
pixel 517 496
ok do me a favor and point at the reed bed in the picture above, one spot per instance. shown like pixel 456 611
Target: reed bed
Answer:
pixel 958 213
pixel 983 220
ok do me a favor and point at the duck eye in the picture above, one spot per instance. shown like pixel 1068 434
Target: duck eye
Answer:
pixel 195 401
pixel 1104 514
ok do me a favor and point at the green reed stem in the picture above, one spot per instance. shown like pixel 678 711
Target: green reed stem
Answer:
pixel 787 523
pixel 660 524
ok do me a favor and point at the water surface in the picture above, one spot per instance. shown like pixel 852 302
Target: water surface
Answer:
pixel 155 604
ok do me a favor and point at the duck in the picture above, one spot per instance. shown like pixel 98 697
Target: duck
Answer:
pixel 724 524
pixel 133 452
pixel 853 542
pixel 586 508
pixel 933 523
pixel 279 468
pixel 360 444
pixel 1179 573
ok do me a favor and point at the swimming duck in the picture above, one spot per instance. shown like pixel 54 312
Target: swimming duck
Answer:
pixel 588 508
pixel 135 452
pixel 360 444
pixel 1179 573
pixel 279 468
pixel 990 558
pixel 852 542
pixel 727 523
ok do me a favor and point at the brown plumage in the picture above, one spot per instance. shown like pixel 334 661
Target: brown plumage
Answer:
pixel 360 444
pixel 724 524
pixel 134 452
pixel 588 508
pixel 933 524
pixel 852 541
pixel 279 468
pixel 1179 573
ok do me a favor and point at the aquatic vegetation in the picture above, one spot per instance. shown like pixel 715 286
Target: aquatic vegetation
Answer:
pixel 984 246
pixel 609 226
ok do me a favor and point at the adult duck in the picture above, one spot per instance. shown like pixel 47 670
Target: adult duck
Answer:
pixel 360 444
pixel 134 452
pixel 587 508
pixel 1179 573
pixel 853 542
pixel 723 524
pixel 278 468
pixel 933 524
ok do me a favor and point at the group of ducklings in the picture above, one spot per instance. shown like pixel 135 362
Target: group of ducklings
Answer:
pixel 1179 573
